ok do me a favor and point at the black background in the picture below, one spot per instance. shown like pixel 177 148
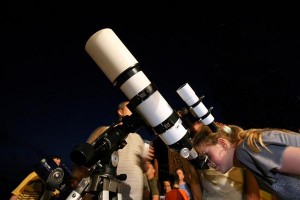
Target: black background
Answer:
pixel 53 95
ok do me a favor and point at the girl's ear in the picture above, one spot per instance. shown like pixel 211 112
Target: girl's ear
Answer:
pixel 222 142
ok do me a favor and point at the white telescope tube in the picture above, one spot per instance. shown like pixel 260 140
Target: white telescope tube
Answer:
pixel 113 58
pixel 191 99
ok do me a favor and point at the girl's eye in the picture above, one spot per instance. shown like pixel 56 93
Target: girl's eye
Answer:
pixel 211 164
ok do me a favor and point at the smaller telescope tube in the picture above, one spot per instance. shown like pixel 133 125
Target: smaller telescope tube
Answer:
pixel 192 100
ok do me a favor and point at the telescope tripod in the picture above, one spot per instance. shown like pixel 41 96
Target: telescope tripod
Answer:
pixel 103 184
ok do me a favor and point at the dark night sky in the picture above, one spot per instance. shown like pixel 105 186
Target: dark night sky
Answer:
pixel 54 95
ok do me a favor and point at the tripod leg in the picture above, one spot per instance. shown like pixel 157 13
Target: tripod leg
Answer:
pixel 104 195
pixel 119 195
pixel 76 194
pixel 113 187
pixel 47 194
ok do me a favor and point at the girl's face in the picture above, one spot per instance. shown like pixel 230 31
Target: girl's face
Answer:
pixel 167 186
pixel 220 155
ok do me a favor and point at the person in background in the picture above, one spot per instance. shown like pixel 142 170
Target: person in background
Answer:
pixel 32 187
pixel 176 193
pixel 181 183
pixel 271 155
pixel 167 187
pixel 132 160
pixel 146 192
pixel 153 182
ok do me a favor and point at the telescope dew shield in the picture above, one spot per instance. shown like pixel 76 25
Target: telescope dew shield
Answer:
pixel 123 70
pixel 109 53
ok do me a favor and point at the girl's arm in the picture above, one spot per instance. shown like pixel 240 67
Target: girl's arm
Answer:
pixel 291 161
pixel 251 188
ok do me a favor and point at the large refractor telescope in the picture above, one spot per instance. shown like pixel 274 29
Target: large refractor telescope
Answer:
pixel 124 71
